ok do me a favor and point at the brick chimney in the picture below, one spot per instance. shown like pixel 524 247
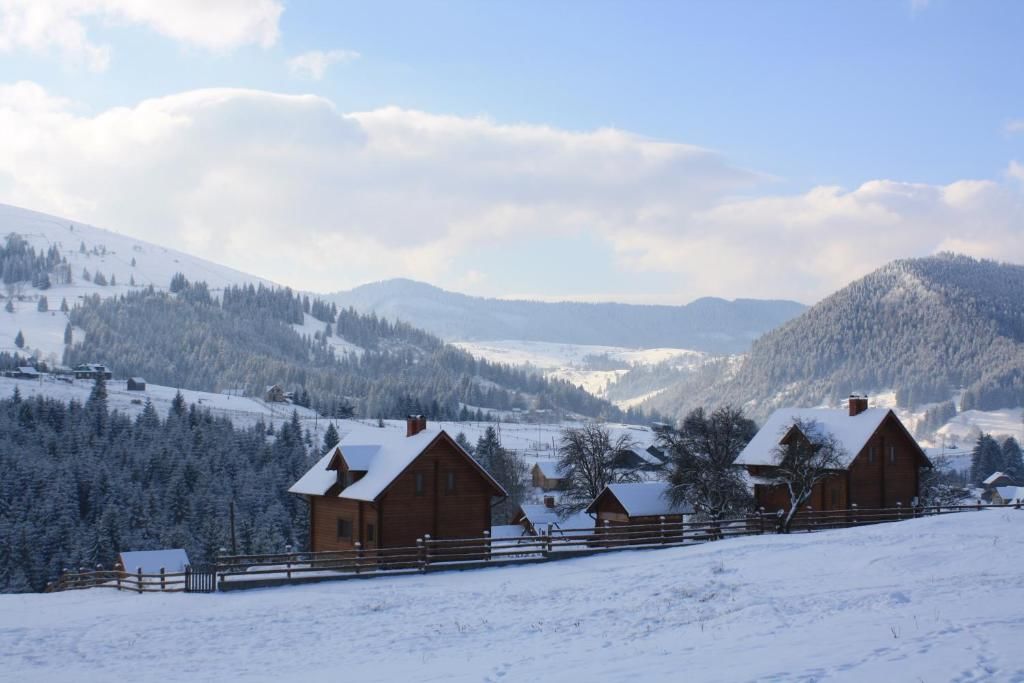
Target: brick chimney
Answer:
pixel 858 404
pixel 549 502
pixel 414 424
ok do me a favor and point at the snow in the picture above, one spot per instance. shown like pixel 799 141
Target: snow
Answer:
pixel 154 265
pixel 645 499
pixel 852 432
pixel 549 468
pixel 969 424
pixel 541 515
pixel 340 346
pixel 173 560
pixel 993 478
pixel 924 600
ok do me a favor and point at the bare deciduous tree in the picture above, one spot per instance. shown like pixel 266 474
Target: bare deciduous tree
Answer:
pixel 702 453
pixel 587 457
pixel 808 454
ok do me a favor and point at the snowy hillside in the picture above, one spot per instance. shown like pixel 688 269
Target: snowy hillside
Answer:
pixel 891 602
pixel 118 258
pixel 594 368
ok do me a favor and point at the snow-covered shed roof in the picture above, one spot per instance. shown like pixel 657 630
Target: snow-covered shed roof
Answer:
pixel 1010 493
pixel 138 380
pixel 172 560
pixel 539 516
pixel 643 499
pixel 28 370
pixel 549 468
pixel 994 477
pixel 383 462
pixel 852 432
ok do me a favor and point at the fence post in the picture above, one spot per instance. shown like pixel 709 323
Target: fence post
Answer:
pixel 810 518
pixel 188 578
pixel 487 546
pixel 760 519
pixel 426 553
pixel 899 511
pixel 661 524
pixel 607 532
pixel 83 576
pixel 288 562
pixel 163 579
pixel 118 571
pixel 421 554
pixel 979 504
pixel 99 574
pixel 138 575
pixel 853 508
pixel 547 541
pixel 359 555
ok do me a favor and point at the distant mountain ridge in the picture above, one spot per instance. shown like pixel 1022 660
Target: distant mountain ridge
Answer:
pixel 926 328
pixel 708 324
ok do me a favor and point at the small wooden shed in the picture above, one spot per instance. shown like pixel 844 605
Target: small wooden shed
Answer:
pixel 136 384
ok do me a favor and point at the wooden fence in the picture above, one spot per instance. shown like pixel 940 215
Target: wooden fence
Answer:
pixel 233 572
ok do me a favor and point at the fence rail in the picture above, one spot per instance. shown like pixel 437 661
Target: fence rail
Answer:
pixel 435 554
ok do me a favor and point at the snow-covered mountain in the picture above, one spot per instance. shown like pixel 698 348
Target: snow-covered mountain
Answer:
pixel 119 259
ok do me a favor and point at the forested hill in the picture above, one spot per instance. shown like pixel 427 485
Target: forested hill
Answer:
pixel 709 324
pixel 334 360
pixel 924 327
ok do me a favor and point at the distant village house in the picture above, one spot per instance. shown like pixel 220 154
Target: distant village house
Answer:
pixel 92 371
pixel 136 384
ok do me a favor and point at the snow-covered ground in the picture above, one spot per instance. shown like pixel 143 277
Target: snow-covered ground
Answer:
pixel 936 599
pixel 106 252
pixel 569 361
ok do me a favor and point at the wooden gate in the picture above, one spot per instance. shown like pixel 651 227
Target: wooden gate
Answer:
pixel 201 579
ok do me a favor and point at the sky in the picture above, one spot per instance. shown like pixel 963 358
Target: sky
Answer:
pixel 648 152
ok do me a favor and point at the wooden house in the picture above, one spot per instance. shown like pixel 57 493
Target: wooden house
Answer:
pixel 997 479
pixel 392 489
pixel 636 503
pixel 275 393
pixel 537 518
pixel 27 372
pixel 136 384
pixel 91 371
pixel 880 460
pixel 1007 495
pixel 546 475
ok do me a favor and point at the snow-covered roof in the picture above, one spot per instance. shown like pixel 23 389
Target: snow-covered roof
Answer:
pixel 994 477
pixel 852 433
pixel 644 499
pixel 171 559
pixel 28 370
pixel 549 468
pixel 138 380
pixel 382 462
pixel 541 515
pixel 1009 493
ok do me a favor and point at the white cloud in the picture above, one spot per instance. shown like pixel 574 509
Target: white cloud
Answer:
pixel 1016 170
pixel 314 64
pixel 63 26
pixel 1015 126
pixel 290 188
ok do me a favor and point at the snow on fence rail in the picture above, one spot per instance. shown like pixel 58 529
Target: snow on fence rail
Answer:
pixel 233 572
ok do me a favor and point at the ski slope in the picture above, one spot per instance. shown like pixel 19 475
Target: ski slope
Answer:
pixel 936 599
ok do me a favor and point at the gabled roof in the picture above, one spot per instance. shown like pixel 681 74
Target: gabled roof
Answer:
pixel 852 433
pixel 138 380
pixel 383 462
pixel 994 477
pixel 539 516
pixel 171 559
pixel 643 499
pixel 549 468
pixel 1010 493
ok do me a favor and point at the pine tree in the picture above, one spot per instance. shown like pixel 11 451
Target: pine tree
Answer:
pixel 986 458
pixel 133 261
pixel 85 275
pixel 64 305
pixel 331 438
pixel 9 307
pixel 1013 460
pixel 131 280
pixel 113 280
pixel 178 405
pixel 19 340
pixel 43 306
pixel 67 334
pixel 100 279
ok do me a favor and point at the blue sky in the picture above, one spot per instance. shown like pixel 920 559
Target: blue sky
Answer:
pixel 788 97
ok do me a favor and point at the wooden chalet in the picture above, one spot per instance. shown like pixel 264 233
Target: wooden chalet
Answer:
pixel 92 371
pixel 880 466
pixel 997 479
pixel 636 503
pixel 392 489
pixel 547 476
pixel 136 384
pixel 1008 495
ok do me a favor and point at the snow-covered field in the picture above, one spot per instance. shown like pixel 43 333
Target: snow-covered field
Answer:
pixel 937 599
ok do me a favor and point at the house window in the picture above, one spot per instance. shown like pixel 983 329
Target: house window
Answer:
pixel 892 454
pixel 371 533
pixel 871 454
pixel 420 487
pixel 449 482
pixel 344 528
